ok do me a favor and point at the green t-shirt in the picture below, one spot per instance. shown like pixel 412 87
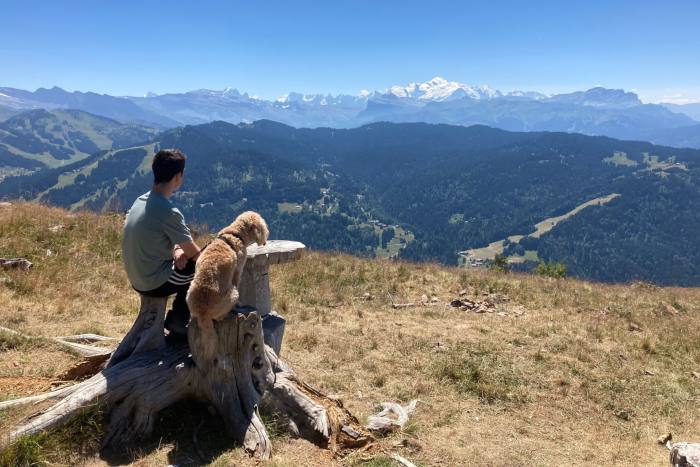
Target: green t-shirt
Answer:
pixel 152 228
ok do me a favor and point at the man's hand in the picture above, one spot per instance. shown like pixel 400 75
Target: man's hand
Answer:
pixel 191 250
pixel 180 258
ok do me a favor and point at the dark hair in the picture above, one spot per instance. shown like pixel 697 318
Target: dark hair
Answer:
pixel 166 164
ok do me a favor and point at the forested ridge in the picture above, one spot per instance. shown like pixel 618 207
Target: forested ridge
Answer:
pixel 448 188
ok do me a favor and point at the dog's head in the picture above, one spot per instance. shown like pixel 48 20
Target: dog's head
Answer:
pixel 251 227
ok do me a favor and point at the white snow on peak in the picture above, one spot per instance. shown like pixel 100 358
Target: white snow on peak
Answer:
pixel 527 94
pixel 439 89
pixel 364 93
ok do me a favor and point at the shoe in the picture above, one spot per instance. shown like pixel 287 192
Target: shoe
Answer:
pixel 175 324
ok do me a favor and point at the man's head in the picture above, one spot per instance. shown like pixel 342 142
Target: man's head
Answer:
pixel 169 167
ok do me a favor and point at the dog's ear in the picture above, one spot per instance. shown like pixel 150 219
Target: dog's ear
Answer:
pixel 261 232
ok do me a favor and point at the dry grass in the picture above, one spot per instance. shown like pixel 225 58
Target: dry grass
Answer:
pixel 589 374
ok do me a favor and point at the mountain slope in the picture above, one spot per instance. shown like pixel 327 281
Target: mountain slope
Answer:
pixel 429 191
pixel 39 138
pixel 6 112
pixel 691 110
pixel 685 136
pixel 601 369
pixel 117 108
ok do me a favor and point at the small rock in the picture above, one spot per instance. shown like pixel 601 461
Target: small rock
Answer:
pixel 518 310
pixel 649 373
pixel 623 415
pixel 56 228
pixel 695 374
pixel 424 299
pixel 502 313
pixel 456 303
pixel 5 204
pixel 358 394
pixel 366 296
pixel 434 299
pixel 49 253
pixel 663 439
pixel 463 292
pixel 635 327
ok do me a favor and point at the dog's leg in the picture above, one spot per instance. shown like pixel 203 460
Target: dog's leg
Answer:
pixel 208 338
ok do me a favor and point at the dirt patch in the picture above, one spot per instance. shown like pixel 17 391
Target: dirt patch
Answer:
pixel 20 386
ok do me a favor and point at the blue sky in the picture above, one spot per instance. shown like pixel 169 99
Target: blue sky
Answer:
pixel 271 47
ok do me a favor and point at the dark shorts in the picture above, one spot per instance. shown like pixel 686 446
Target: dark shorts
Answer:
pixel 178 283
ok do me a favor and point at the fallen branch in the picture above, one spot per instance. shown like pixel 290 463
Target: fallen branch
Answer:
pixel 15 263
pixel 55 394
pixel 402 460
pixel 82 349
pixel 150 374
pixel 395 305
pixel 87 338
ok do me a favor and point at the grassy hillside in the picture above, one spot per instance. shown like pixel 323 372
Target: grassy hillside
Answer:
pixel 38 138
pixel 563 371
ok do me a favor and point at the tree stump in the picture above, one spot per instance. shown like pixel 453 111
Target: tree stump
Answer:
pixel 148 373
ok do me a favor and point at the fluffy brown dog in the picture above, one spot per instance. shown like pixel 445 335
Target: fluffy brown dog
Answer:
pixel 214 289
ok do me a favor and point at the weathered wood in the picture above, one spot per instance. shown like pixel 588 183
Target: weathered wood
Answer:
pixel 147 332
pixel 234 380
pixel 402 460
pixel 15 263
pixel 396 306
pixel 254 287
pixel 80 349
pixel 87 338
pixel 311 413
pixel 277 251
pixel 392 417
pixel 243 371
pixel 51 395
pixel 685 454
pixel 273 331
pixel 146 373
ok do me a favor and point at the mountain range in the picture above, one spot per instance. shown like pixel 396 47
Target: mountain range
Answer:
pixel 611 210
pixel 597 111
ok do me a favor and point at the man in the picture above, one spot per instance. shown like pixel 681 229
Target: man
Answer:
pixel 158 251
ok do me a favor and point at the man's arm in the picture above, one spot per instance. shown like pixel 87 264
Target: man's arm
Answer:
pixel 184 252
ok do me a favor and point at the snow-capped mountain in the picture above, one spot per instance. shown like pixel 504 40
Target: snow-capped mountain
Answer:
pixel 439 90
pixel 597 111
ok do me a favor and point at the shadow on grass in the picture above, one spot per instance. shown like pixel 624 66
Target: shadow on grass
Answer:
pixel 177 427
pixel 80 439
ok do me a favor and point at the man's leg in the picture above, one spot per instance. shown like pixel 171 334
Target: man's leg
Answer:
pixel 179 315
